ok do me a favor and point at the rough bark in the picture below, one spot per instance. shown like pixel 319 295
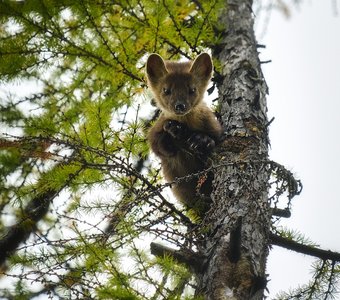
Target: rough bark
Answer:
pixel 236 246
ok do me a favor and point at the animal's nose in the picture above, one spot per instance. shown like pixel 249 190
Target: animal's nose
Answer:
pixel 180 107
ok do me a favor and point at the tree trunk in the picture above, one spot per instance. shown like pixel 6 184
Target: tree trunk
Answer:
pixel 238 224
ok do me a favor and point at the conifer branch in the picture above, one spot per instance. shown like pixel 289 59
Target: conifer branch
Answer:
pixel 284 213
pixel 106 43
pixel 190 259
pixel 304 249
pixel 178 28
pixel 19 232
pixel 35 210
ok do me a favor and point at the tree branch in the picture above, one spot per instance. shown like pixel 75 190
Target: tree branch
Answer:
pixel 189 258
pixel 19 232
pixel 35 210
pixel 278 212
pixel 304 249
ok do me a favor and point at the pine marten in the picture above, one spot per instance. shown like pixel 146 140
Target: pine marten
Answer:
pixel 187 129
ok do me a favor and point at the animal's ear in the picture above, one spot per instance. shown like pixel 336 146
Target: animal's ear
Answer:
pixel 202 66
pixel 155 68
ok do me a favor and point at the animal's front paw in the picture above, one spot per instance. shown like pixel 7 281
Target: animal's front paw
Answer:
pixel 201 143
pixel 174 128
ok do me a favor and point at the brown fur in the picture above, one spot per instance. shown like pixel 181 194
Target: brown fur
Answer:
pixel 184 84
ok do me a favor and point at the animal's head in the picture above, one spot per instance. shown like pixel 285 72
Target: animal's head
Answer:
pixel 178 86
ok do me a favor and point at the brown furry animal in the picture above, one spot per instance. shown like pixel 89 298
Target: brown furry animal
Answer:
pixel 187 129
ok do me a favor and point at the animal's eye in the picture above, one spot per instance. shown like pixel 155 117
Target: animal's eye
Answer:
pixel 166 91
pixel 192 91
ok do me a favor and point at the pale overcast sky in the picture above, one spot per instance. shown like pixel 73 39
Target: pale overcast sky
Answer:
pixel 304 86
